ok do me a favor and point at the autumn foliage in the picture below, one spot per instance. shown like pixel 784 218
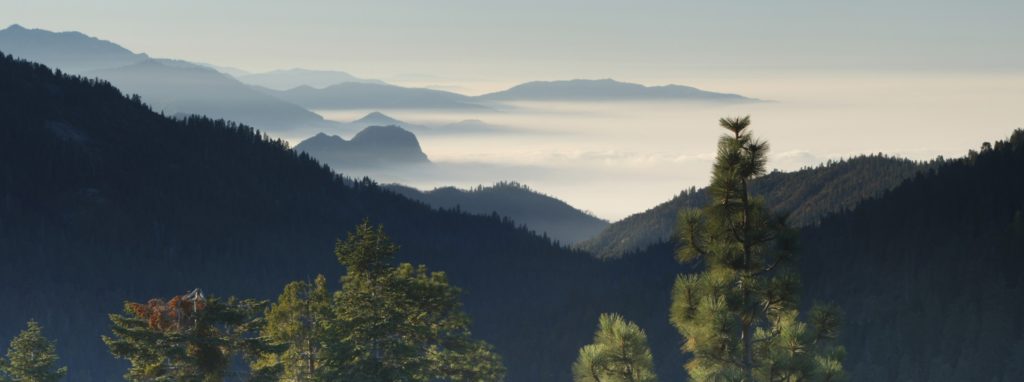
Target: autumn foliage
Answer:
pixel 169 316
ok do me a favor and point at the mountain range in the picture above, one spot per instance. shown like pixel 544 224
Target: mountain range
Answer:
pixel 71 52
pixel 182 88
pixel 115 202
pixel 103 200
pixel 356 95
pixel 606 90
pixel 538 212
pixel 292 78
pixel 179 92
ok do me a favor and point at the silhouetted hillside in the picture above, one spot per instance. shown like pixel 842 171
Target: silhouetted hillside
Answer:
pixel 69 51
pixel 374 146
pixel 806 195
pixel 930 275
pixel 172 86
pixel 605 90
pixel 103 200
pixel 539 212
pixel 177 87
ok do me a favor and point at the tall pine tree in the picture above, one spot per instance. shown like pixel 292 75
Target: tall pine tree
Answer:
pixel 739 316
pixel 299 319
pixel 619 354
pixel 31 357
pixel 401 323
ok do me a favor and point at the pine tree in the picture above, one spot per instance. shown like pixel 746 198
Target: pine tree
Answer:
pixel 739 317
pixel 31 357
pixel 299 320
pixel 399 323
pixel 189 338
pixel 619 354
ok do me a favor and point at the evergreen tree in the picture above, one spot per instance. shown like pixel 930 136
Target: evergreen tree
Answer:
pixel 739 317
pixel 399 323
pixel 189 338
pixel 299 320
pixel 31 357
pixel 619 354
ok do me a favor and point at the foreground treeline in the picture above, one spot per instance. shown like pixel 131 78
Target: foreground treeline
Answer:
pixel 386 323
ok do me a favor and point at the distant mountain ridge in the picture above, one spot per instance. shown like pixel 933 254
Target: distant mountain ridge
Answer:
pixel 807 195
pixel 285 79
pixel 72 52
pixel 355 95
pixel 374 146
pixel 180 87
pixel 541 213
pixel 606 90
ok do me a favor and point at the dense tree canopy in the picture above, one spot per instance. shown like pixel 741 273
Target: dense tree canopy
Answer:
pixel 401 323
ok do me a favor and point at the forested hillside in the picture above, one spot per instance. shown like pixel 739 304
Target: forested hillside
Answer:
pixel 806 195
pixel 929 276
pixel 103 200
pixel 539 212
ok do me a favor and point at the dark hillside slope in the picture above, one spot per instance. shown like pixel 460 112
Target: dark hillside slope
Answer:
pixel 103 200
pixel 539 212
pixel 806 195
pixel 930 275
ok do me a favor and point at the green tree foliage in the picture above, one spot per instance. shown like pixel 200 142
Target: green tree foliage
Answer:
pixel 31 357
pixel 298 319
pixel 739 317
pixel 399 323
pixel 619 354
pixel 189 338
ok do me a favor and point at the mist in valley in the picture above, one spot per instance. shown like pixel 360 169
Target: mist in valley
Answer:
pixel 619 158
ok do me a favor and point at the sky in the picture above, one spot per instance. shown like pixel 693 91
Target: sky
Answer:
pixel 914 79
pixel 509 41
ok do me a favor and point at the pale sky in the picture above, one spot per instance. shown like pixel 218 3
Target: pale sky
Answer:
pixel 509 41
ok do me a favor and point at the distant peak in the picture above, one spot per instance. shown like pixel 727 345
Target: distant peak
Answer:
pixel 378 118
pixel 16 27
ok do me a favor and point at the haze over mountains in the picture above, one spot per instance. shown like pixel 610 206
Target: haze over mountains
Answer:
pixel 313 89
pixel 285 79
pixel 355 95
pixel 606 90
pixel 72 52
pixel 113 201
pixel 177 87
